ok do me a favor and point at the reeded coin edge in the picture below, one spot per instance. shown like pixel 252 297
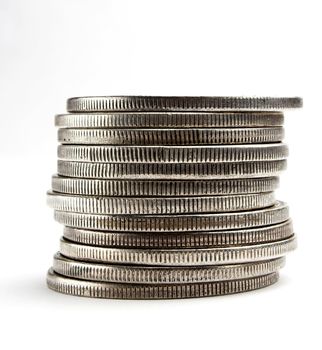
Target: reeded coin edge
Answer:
pixel 170 119
pixel 179 103
pixel 162 188
pixel 160 275
pixel 182 239
pixel 157 205
pixel 178 257
pixel 75 287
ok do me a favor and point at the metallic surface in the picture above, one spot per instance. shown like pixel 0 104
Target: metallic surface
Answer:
pixel 158 205
pixel 170 136
pixel 170 120
pixel 146 187
pixel 180 223
pixel 178 257
pixel 179 103
pixel 173 154
pixel 194 239
pixel 159 275
pixel 184 171
pixel 166 291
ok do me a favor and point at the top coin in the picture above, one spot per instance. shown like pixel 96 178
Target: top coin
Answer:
pixel 176 103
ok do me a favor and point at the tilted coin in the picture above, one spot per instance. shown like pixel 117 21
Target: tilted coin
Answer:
pixel 180 223
pixel 178 257
pixel 182 171
pixel 146 187
pixel 170 120
pixel 156 275
pixel 182 239
pixel 158 205
pixel 106 290
pixel 173 154
pixel 176 103
pixel 170 136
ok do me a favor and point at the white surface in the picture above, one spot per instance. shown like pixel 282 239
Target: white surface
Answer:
pixel 51 50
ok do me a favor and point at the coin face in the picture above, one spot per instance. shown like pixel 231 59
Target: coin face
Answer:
pixel 194 239
pixel 170 119
pixel 178 103
pixel 160 275
pixel 170 136
pixel 92 289
pixel 178 257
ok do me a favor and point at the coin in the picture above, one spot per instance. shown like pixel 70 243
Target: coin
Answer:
pixel 158 205
pixel 170 136
pixel 192 239
pixel 161 275
pixel 183 222
pixel 173 154
pixel 186 171
pixel 178 257
pixel 92 289
pixel 176 103
pixel 101 187
pixel 170 120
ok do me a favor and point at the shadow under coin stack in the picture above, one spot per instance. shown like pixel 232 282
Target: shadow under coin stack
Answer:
pixel 170 197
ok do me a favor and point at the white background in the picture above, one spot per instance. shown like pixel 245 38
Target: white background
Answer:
pixel 51 50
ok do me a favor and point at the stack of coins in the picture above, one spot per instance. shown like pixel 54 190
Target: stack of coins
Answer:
pixel 170 197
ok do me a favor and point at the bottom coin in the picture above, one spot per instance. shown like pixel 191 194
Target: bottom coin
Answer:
pixel 162 275
pixel 161 291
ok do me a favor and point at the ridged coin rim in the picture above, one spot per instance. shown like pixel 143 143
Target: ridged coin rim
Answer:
pixel 173 154
pixel 170 120
pixel 179 103
pixel 105 290
pixel 162 275
pixel 182 239
pixel 135 187
pixel 191 136
pixel 178 257
pixel 187 171
pixel 179 223
pixel 158 205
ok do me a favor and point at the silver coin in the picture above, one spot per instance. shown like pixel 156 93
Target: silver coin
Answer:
pixel 170 120
pixel 92 289
pixel 158 205
pixel 101 187
pixel 180 171
pixel 176 103
pixel 162 275
pixel 179 223
pixel 198 239
pixel 178 257
pixel 170 136
pixel 173 154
